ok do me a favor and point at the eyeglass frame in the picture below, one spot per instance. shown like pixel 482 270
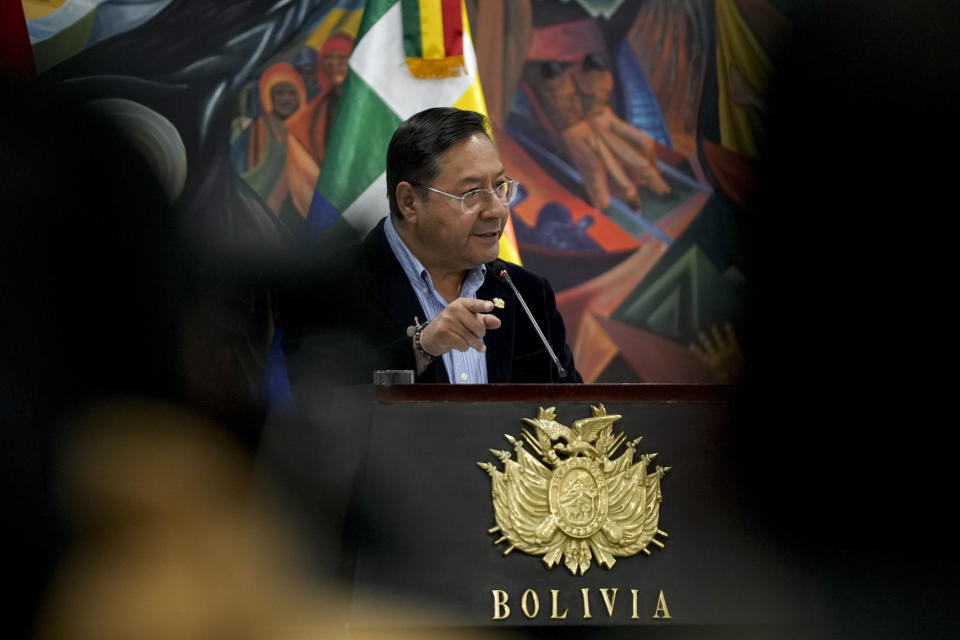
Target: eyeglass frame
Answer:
pixel 492 192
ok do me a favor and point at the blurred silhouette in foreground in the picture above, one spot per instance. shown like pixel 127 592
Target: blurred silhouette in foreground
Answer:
pixel 837 435
pixel 131 380
pixel 92 283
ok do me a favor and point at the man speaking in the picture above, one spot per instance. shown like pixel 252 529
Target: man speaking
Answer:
pixel 425 291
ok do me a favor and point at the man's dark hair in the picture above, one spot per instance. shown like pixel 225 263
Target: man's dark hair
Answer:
pixel 419 141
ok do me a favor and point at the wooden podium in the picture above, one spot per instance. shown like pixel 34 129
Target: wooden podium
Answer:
pixel 422 513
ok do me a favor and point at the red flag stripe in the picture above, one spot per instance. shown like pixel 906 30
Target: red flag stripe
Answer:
pixel 452 27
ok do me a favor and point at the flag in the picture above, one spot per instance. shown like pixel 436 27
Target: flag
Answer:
pixel 381 92
pixel 433 38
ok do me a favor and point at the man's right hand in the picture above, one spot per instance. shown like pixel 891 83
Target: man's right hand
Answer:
pixel 460 326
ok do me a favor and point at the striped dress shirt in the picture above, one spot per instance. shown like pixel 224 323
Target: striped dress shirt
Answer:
pixel 468 367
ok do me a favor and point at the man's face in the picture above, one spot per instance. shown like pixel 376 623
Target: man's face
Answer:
pixel 286 100
pixel 335 66
pixel 449 238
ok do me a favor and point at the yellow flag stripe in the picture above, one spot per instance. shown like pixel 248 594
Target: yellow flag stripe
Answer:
pixel 472 98
pixel 431 29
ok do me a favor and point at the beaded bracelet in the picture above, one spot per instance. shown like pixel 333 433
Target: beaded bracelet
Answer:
pixel 415 331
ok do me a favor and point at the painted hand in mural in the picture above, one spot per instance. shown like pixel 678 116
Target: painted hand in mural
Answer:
pixel 602 147
pixel 597 165
pixel 632 148
pixel 721 353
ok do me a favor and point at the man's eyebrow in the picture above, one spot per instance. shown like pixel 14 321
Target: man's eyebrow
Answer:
pixel 467 181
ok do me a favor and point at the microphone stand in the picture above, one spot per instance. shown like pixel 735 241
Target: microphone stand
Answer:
pixel 506 277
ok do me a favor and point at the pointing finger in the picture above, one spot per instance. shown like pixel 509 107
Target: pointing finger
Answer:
pixel 475 305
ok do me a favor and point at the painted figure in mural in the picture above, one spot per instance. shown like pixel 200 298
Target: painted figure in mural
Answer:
pixel 311 128
pixel 601 146
pixel 282 94
pixel 334 56
pixel 285 98
pixel 424 290
pixel 306 63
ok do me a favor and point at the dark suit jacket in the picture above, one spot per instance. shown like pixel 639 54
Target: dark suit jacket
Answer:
pixel 348 316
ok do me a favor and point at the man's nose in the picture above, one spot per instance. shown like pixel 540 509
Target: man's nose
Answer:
pixel 493 208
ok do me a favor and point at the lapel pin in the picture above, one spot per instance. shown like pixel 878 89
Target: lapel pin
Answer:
pixel 498 303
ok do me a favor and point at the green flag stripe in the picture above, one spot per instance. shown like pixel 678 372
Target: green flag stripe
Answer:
pixel 412 42
pixel 359 143
pixel 372 13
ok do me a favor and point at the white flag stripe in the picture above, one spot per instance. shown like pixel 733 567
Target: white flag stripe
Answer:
pixel 365 212
pixel 379 59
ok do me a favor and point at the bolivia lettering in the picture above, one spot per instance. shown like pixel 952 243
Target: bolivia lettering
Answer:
pixel 530 605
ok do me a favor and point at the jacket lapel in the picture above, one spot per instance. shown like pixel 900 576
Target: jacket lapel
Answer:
pixel 500 341
pixel 384 277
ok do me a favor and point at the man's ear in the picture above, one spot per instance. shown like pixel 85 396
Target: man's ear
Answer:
pixel 408 201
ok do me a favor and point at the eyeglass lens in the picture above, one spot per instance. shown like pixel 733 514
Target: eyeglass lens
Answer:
pixel 475 200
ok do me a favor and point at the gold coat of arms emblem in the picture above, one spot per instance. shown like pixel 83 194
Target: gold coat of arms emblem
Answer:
pixel 573 497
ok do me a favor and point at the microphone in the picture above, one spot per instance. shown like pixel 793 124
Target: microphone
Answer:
pixel 506 277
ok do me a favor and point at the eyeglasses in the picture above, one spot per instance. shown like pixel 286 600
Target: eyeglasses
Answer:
pixel 475 200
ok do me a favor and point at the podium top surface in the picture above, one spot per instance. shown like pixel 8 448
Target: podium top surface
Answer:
pixel 636 392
